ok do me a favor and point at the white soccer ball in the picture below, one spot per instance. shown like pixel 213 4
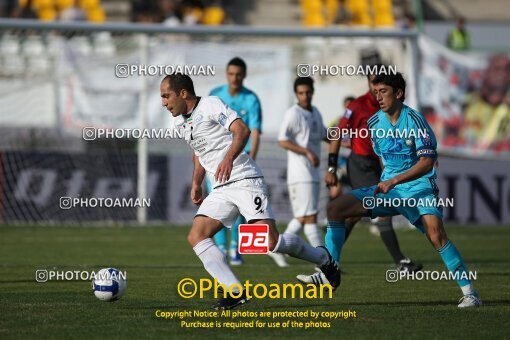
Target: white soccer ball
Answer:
pixel 109 284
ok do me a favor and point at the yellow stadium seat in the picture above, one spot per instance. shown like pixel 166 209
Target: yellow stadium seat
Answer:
pixel 96 15
pixel 42 4
pixel 89 4
pixel 332 10
pixel 383 13
pixel 312 13
pixel 360 12
pixel 213 16
pixel 63 4
pixel 47 14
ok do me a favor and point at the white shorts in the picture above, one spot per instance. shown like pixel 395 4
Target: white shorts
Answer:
pixel 304 198
pixel 247 197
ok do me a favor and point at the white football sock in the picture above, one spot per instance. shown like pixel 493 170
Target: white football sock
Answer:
pixel 215 262
pixel 294 246
pixel 279 259
pixel 313 235
pixel 294 227
pixel 468 289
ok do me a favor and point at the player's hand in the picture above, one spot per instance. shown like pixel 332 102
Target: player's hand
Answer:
pixel 330 179
pixel 384 187
pixel 196 194
pixel 224 170
pixel 312 158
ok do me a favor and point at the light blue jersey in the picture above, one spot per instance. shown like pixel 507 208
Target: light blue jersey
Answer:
pixel 246 104
pixel 400 146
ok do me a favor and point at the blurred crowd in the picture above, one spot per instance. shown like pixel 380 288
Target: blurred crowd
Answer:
pixel 370 13
pixel 471 107
pixel 168 12
pixel 178 12
pixel 49 10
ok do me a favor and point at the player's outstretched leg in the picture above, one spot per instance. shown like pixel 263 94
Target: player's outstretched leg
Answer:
pixel 338 211
pixel 294 246
pixel 215 261
pixel 436 234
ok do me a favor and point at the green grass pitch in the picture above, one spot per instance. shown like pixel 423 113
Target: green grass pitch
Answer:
pixel 156 258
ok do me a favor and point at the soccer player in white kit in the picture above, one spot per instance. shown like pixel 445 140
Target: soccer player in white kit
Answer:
pixel 301 134
pixel 217 136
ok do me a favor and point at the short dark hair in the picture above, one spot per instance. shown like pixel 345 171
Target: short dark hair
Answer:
pixel 178 82
pixel 396 81
pixel 303 81
pixel 349 99
pixel 236 61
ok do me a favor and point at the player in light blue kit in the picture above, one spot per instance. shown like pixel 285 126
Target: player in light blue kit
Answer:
pixel 246 103
pixel 409 173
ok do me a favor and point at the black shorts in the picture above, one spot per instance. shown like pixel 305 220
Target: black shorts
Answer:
pixel 363 171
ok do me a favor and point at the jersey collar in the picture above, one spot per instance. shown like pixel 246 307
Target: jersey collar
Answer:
pixel 403 112
pixel 241 91
pixel 188 115
pixel 305 110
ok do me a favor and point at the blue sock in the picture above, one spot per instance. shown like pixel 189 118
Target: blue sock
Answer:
pixel 234 235
pixel 335 236
pixel 221 239
pixel 454 262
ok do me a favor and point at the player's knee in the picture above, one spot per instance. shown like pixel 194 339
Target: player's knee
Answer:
pixel 330 210
pixel 273 237
pixel 334 211
pixel 195 237
pixel 192 239
pixel 310 219
pixel 272 243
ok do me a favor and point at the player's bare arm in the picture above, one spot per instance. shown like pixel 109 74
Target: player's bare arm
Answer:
pixel 255 141
pixel 240 135
pixel 334 149
pixel 196 182
pixel 423 166
pixel 291 146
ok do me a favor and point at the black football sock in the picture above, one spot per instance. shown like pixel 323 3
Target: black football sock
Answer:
pixel 389 238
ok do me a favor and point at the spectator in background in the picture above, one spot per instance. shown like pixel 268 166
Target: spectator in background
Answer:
pixel 487 114
pixel 73 13
pixel 192 11
pixel 171 15
pixel 459 38
pixel 145 11
pixel 408 22
pixel 343 15
pixel 8 8
pixel 27 11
